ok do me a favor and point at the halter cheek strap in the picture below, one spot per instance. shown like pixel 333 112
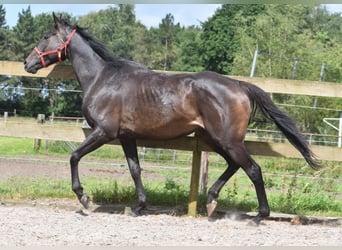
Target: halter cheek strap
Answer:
pixel 58 51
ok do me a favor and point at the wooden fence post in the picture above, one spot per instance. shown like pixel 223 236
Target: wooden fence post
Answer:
pixel 38 142
pixel 194 182
pixel 204 172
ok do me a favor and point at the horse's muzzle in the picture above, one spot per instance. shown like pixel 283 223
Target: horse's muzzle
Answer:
pixel 31 68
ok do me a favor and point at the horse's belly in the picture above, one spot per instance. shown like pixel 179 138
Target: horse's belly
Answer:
pixel 159 130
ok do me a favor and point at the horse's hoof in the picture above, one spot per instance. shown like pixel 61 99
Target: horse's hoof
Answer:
pixel 128 211
pixel 211 207
pixel 137 210
pixel 85 201
pixel 255 222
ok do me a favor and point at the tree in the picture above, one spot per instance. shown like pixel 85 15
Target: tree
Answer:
pixel 25 32
pixel 3 45
pixel 168 31
pixel 114 26
pixel 220 39
pixel 67 100
pixel 23 43
pixel 287 34
pixel 162 43
pixel 142 50
pixel 188 56
pixel 2 17
pixel 5 37
pixel 326 31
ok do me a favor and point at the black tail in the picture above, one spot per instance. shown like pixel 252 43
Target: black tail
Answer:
pixel 282 120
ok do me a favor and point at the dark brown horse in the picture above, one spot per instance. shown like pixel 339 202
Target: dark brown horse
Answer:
pixel 124 100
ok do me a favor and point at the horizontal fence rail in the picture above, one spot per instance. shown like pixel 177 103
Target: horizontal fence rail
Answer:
pixel 188 143
pixel 284 86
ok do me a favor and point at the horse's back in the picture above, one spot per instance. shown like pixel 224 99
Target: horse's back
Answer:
pixel 159 105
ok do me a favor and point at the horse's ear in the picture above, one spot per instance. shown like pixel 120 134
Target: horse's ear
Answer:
pixel 55 18
pixel 59 23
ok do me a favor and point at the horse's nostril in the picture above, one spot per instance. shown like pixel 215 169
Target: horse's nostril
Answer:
pixel 25 62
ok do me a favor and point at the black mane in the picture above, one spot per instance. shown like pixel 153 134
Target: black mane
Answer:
pixel 101 49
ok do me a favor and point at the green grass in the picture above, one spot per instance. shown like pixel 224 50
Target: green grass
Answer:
pixel 16 146
pixel 291 186
pixel 10 146
pixel 33 188
pixel 171 193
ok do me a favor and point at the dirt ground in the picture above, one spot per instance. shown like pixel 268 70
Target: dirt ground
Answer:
pixel 62 222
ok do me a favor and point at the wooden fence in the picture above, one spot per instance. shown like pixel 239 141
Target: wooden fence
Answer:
pixel 189 143
pixel 296 87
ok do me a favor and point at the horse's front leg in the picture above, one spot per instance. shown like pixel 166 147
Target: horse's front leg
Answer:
pixel 94 140
pixel 131 153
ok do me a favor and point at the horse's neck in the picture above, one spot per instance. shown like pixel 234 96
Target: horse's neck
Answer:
pixel 85 62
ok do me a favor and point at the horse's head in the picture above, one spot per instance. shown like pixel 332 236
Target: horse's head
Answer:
pixel 52 48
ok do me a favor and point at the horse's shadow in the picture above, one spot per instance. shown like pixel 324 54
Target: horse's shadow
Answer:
pixel 218 215
pixel 166 210
pixel 129 210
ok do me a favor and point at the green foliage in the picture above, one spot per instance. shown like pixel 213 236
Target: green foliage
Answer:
pixel 67 101
pixel 2 17
pixel 225 43
pixel 111 192
pixel 167 33
pixel 220 37
pixel 188 57
pixel 33 188
pixel 10 146
pixel 114 26
pixel 300 199
pixel 5 36
pixel 284 33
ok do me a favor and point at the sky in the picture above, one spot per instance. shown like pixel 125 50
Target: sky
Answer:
pixel 148 14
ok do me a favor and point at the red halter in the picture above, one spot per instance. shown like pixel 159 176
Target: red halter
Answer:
pixel 58 51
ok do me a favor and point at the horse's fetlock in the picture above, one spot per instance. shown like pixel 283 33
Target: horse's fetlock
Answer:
pixel 77 190
pixel 212 195
pixel 264 213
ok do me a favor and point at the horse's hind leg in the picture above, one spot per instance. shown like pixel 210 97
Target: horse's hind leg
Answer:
pixel 215 189
pixel 130 149
pixel 240 156
pixel 237 156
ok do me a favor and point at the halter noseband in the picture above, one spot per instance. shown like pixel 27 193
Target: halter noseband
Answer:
pixel 58 51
